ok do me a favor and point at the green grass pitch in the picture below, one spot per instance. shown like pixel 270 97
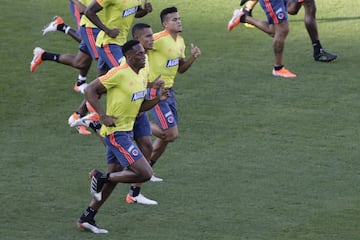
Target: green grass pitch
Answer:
pixel 258 157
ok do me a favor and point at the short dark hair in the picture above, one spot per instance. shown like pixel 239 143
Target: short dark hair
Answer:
pixel 129 45
pixel 167 11
pixel 138 27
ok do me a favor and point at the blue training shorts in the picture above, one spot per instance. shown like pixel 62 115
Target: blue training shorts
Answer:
pixel 76 15
pixel 164 113
pixel 275 10
pixel 120 149
pixel 141 126
pixel 110 56
pixel 87 44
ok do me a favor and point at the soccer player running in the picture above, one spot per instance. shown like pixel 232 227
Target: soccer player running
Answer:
pixel 119 16
pixel 294 6
pixel 89 32
pixel 125 87
pixel 83 58
pixel 81 61
pixel 114 19
pixel 142 131
pixel 277 27
pixel 167 58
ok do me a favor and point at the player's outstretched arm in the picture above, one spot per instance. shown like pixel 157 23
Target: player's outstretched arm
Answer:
pixel 184 65
pixel 163 94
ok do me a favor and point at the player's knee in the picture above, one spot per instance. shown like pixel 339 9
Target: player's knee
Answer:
pixel 283 31
pixel 172 137
pixel 293 8
pixel 292 11
pixel 146 174
pixel 161 135
pixel 168 136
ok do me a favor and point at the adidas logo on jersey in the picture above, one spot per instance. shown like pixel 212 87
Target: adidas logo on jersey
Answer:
pixel 172 62
pixel 129 11
pixel 138 95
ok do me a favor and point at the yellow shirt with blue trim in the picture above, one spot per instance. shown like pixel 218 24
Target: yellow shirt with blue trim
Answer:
pixel 118 14
pixel 126 90
pixel 145 71
pixel 165 56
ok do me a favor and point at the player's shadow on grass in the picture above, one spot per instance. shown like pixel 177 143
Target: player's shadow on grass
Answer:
pixel 337 19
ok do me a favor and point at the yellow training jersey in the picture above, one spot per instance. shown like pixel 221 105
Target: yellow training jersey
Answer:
pixel 145 72
pixel 164 57
pixel 118 14
pixel 84 21
pixel 126 91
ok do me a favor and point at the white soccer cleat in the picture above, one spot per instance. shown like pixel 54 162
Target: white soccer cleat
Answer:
pixel 235 20
pixel 72 118
pixel 37 60
pixel 80 88
pixel 91 227
pixel 85 121
pixel 81 122
pixel 156 179
pixel 140 199
pixel 75 118
pixel 52 26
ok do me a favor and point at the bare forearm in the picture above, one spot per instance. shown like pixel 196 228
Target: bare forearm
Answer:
pixel 141 13
pixel 186 64
pixel 90 13
pixel 92 95
pixel 148 104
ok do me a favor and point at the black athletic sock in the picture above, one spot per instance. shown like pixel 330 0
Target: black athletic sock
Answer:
pixel 88 214
pixel 95 126
pixel 278 67
pixel 50 56
pixel 317 47
pixel 242 18
pixel 81 80
pixel 62 27
pixel 102 180
pixel 134 191
pixel 79 114
pixel 152 163
pixel 105 177
pixel 247 11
